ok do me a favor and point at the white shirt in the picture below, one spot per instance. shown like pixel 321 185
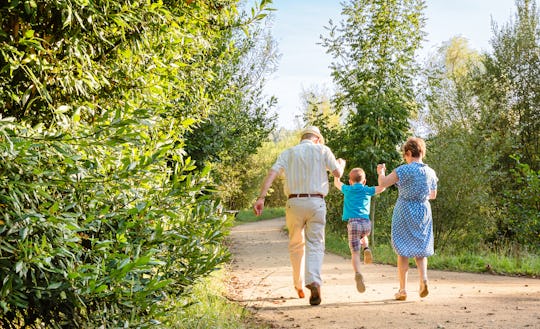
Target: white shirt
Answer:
pixel 305 167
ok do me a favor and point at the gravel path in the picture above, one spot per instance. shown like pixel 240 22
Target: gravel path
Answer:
pixel 261 280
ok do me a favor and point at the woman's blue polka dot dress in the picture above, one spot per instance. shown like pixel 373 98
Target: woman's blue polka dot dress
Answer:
pixel 412 225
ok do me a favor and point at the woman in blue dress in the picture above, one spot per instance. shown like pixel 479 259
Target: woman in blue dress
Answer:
pixel 412 225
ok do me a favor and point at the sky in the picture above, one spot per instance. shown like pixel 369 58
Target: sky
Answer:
pixel 304 65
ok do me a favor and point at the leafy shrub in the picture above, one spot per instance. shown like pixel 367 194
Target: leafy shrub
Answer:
pixel 522 220
pixel 97 232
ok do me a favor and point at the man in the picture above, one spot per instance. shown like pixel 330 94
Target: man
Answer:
pixel 306 184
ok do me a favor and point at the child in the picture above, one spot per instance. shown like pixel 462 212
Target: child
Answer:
pixel 357 198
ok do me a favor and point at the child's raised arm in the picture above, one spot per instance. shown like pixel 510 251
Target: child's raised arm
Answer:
pixel 338 183
pixel 337 180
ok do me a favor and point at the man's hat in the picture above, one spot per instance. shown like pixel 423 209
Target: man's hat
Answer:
pixel 315 131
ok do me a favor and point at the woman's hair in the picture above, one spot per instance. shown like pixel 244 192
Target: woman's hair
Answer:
pixel 357 175
pixel 416 146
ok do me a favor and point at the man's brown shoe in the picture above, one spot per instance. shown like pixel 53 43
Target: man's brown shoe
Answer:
pixel 315 298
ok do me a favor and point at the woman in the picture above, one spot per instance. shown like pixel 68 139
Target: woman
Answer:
pixel 412 225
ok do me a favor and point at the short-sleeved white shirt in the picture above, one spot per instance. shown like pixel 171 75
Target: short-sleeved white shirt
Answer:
pixel 306 167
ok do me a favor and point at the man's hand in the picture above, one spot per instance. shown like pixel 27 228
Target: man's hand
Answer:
pixel 258 206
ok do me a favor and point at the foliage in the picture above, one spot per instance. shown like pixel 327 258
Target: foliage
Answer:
pixel 462 208
pixel 451 101
pixel 374 69
pixel 318 108
pixel 242 121
pixel 523 205
pixel 510 105
pixel 83 233
pixel 483 112
pixel 210 308
pixel 250 173
pixel 105 215
pixel 509 121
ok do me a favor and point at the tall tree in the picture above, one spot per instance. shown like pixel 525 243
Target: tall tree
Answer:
pixel 462 210
pixel 374 69
pixel 509 101
pixel 511 104
pixel 318 108
pixel 240 120
pixel 374 48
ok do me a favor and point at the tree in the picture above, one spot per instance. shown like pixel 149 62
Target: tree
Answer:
pixel 462 208
pixel 374 70
pixel 241 121
pixel 106 217
pixel 318 108
pixel 509 101
pixel 374 47
pixel 251 173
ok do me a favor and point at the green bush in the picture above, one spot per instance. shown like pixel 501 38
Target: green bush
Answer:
pixel 99 233
pixel 522 220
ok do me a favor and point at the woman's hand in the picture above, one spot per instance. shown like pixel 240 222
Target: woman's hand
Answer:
pixel 381 169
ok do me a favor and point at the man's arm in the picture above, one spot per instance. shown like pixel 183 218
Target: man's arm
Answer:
pixel 338 172
pixel 258 206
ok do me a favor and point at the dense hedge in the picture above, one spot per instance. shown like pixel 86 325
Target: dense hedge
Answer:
pixel 106 219
pixel 99 233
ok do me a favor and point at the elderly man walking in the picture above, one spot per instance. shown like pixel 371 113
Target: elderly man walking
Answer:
pixel 306 167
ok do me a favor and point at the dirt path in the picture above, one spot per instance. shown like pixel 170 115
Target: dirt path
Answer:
pixel 261 280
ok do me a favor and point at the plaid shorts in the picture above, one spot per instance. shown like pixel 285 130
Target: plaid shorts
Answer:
pixel 357 228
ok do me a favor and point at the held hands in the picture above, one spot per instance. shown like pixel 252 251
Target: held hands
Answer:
pixel 381 169
pixel 341 164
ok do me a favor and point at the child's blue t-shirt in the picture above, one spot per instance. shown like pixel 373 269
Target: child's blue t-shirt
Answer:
pixel 357 200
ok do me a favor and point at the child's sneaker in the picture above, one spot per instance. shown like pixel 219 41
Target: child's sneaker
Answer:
pixel 360 286
pixel 368 258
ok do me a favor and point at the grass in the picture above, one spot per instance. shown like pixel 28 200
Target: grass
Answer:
pixel 209 308
pixel 505 261
pixel 246 216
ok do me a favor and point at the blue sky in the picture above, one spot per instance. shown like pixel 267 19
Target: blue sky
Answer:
pixel 298 24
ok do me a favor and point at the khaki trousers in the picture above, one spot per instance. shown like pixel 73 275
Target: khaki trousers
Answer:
pixel 306 219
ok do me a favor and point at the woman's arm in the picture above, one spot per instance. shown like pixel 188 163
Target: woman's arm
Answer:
pixel 383 180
